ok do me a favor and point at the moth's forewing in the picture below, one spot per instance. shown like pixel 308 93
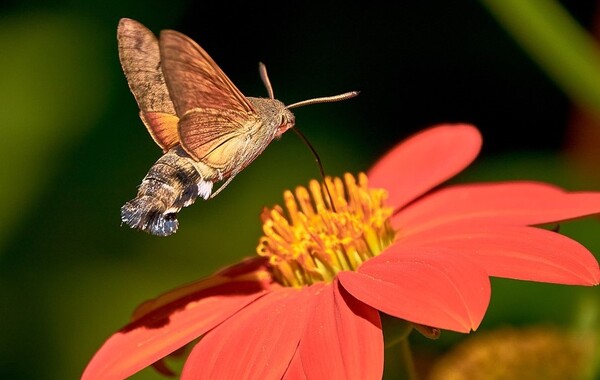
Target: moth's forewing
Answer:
pixel 214 112
pixel 194 79
pixel 140 58
pixel 215 137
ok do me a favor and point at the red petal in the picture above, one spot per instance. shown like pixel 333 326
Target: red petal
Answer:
pixel 343 339
pixel 296 369
pixel 523 253
pixel 250 273
pixel 509 203
pixel 425 160
pixel 169 322
pixel 139 346
pixel 257 343
pixel 425 285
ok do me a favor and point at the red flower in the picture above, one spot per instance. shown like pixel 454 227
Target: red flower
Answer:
pixel 308 306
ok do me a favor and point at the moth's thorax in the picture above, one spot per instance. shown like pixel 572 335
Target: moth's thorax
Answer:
pixel 274 115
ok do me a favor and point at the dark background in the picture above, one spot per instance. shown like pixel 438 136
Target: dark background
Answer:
pixel 74 149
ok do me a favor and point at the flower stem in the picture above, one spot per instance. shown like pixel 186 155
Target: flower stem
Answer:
pixel 401 331
pixel 409 362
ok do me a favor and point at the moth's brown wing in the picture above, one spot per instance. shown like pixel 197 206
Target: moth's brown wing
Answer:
pixel 140 58
pixel 194 79
pixel 214 137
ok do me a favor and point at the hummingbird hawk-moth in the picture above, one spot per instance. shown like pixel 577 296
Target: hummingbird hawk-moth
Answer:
pixel 208 130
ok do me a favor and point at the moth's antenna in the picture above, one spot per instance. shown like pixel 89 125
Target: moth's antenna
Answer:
pixel 262 69
pixel 319 164
pixel 326 99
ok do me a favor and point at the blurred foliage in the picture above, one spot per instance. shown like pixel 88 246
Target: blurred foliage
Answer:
pixel 557 42
pixel 74 149
pixel 47 106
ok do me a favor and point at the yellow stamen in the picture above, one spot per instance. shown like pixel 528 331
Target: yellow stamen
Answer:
pixel 314 241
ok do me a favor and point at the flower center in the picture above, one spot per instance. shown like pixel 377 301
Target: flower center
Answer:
pixel 315 241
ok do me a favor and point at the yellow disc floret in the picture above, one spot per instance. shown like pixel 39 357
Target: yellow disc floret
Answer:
pixel 315 240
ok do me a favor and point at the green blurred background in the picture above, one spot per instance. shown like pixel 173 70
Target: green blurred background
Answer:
pixel 74 150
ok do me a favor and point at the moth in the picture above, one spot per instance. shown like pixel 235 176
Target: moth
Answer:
pixel 208 130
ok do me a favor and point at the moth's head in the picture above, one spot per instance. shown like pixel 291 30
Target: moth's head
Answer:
pixel 286 121
pixel 275 116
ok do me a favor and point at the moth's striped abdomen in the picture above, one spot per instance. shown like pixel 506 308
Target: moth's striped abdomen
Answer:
pixel 172 183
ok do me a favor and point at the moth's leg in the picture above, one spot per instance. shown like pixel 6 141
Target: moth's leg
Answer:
pixel 223 186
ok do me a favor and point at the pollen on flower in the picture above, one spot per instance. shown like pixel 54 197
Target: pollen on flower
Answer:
pixel 314 240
